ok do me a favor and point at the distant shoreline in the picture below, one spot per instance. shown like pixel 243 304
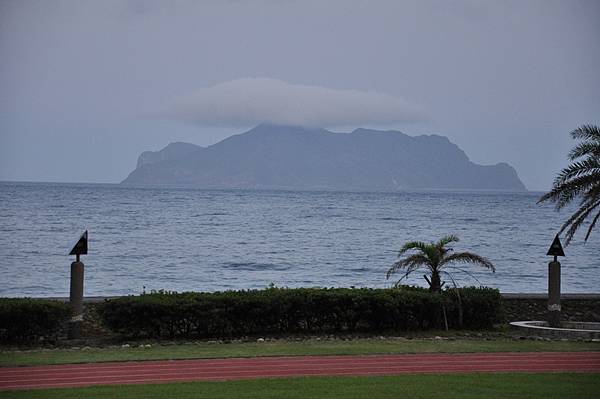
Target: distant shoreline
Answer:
pixel 507 295
pixel 278 189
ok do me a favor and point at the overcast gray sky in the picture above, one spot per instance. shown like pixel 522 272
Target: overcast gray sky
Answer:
pixel 85 86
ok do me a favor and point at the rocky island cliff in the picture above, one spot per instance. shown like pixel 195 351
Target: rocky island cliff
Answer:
pixel 289 157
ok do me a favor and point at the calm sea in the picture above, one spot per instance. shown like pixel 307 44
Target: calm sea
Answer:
pixel 207 240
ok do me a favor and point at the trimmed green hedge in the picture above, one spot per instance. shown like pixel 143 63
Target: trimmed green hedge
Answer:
pixel 25 319
pixel 481 307
pixel 300 310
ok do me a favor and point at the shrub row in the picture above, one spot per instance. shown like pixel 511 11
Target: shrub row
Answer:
pixel 24 319
pixel 301 310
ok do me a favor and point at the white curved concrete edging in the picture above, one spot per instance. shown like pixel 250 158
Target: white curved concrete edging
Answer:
pixel 569 329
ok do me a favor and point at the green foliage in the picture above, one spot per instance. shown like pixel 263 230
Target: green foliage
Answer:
pixel 579 181
pixel 280 311
pixel 481 307
pixel 24 319
pixel 437 258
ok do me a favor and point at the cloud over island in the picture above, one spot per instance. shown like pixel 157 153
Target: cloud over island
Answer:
pixel 251 101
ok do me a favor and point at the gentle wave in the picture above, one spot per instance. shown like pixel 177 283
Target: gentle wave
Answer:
pixel 189 239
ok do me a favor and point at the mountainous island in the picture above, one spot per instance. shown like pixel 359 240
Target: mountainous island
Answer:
pixel 291 157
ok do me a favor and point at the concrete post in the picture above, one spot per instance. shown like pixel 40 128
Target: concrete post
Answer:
pixel 554 293
pixel 76 299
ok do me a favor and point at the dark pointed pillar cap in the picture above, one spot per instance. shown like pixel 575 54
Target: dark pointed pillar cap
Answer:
pixel 81 247
pixel 556 248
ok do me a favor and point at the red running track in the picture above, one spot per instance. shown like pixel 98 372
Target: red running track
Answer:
pixel 79 375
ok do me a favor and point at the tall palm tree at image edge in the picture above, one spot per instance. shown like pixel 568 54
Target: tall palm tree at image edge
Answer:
pixel 579 181
pixel 437 258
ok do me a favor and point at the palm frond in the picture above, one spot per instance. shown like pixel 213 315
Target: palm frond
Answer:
pixel 586 132
pixel 593 193
pixel 589 165
pixel 434 256
pixel 587 235
pixel 447 240
pixel 584 209
pixel 409 263
pixel 468 257
pixel 577 219
pixel 429 250
pixel 420 245
pixel 407 273
pixel 566 192
pixel 585 148
pixel 468 273
pixel 579 180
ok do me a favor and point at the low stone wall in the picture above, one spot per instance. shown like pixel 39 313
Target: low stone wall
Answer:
pixel 575 307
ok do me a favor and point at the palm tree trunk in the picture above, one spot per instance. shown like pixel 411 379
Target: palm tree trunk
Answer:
pixel 436 283
pixel 460 309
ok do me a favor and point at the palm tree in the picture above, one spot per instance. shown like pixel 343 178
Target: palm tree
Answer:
pixel 579 180
pixel 436 257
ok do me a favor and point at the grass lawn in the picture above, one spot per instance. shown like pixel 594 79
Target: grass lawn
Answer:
pixel 281 347
pixel 446 386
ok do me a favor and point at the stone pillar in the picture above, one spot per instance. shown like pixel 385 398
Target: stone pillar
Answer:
pixel 554 293
pixel 76 299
